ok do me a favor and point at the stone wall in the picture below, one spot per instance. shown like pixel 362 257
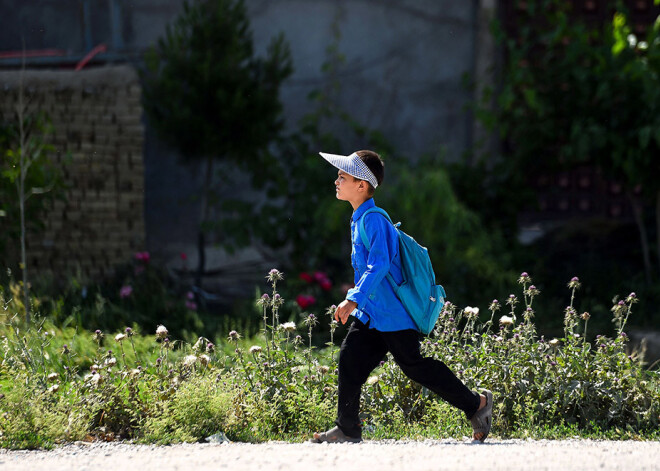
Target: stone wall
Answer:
pixel 98 137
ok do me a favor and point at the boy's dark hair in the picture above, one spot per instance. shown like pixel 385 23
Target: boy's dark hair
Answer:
pixel 374 162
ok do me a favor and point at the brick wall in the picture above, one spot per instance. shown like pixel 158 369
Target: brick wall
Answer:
pixel 96 115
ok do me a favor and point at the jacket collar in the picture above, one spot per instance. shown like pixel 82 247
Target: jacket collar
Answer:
pixel 357 214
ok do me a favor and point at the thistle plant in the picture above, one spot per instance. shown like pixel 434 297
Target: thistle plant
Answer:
pixel 264 302
pixel 524 279
pixel 310 321
pixel 129 334
pixel 574 285
pixel 333 326
pixel 512 301
pixel 273 277
pixel 621 310
pixel 234 337
pixel 471 314
pixel 585 316
pixel 493 308
pixel 570 321
pixel 119 338
pixel 288 328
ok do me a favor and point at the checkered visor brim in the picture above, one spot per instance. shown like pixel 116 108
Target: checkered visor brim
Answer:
pixel 353 165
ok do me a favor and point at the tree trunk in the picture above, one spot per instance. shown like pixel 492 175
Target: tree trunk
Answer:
pixel 203 217
pixel 638 212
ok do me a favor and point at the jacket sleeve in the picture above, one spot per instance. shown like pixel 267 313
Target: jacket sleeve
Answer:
pixel 378 260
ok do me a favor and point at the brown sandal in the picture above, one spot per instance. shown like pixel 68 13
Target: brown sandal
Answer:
pixel 334 435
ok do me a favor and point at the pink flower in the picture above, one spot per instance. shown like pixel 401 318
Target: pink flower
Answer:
pixel 125 291
pixel 304 301
pixel 306 277
pixel 142 257
pixel 319 276
pixel 326 285
pixel 183 256
pixel 190 295
pixel 191 305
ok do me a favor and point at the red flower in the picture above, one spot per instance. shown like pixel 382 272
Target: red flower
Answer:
pixel 326 285
pixel 183 256
pixel 304 301
pixel 319 276
pixel 306 277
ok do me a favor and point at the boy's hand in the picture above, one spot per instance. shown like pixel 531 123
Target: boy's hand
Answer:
pixel 344 310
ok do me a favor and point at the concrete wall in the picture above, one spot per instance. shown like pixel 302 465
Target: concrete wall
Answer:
pixel 405 59
pixel 403 69
pixel 96 116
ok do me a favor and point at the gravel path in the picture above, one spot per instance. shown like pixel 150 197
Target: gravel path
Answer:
pixel 386 455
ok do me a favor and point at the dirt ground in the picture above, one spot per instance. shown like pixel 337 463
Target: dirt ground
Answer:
pixel 370 456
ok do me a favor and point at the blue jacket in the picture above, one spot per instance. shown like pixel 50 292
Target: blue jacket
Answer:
pixel 377 303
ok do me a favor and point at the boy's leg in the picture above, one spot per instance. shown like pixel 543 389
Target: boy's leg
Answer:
pixel 429 372
pixel 361 351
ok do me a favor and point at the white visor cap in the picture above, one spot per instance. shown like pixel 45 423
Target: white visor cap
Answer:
pixel 353 165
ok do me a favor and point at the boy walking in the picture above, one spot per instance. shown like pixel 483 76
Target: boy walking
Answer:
pixel 381 323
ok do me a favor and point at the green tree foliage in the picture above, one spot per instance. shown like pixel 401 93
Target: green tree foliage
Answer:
pixel 207 94
pixel 571 95
pixel 29 182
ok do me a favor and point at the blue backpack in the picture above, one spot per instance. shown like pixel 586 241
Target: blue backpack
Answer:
pixel 419 294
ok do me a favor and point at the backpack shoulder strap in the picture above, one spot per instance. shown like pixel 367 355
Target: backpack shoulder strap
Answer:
pixel 363 234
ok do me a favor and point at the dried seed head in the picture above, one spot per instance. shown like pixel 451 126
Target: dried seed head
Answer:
pixel 161 332
pixel 506 320
pixel 199 345
pixel 372 380
pixel 288 327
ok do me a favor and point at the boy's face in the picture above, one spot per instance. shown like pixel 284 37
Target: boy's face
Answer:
pixel 349 188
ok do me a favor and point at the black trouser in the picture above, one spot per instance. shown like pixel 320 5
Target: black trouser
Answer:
pixel 361 352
